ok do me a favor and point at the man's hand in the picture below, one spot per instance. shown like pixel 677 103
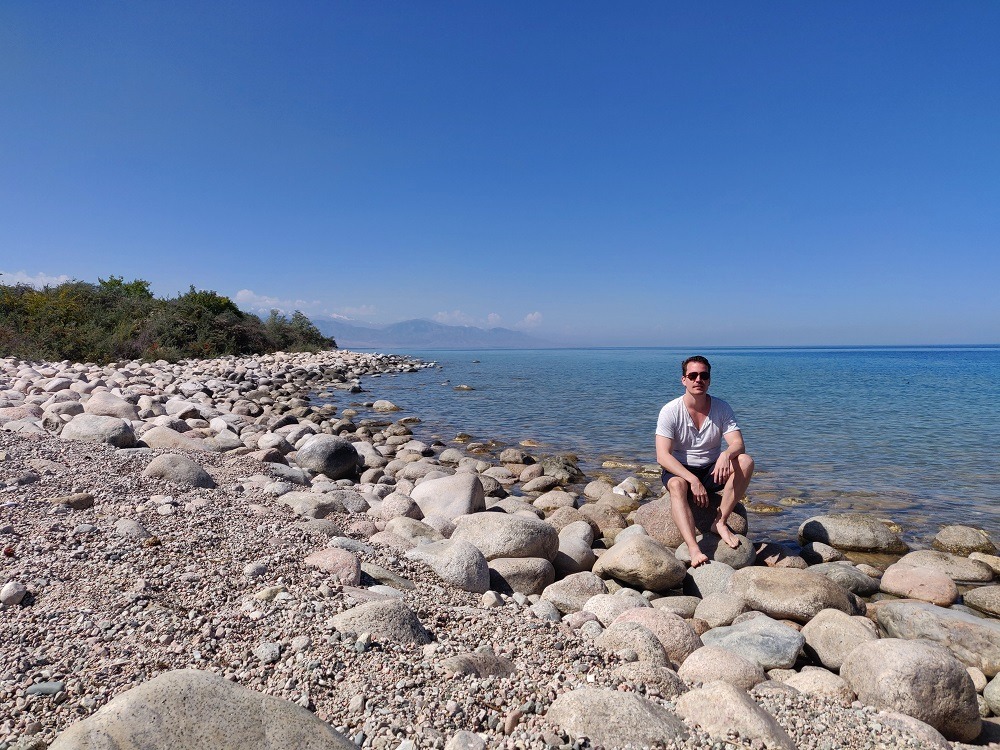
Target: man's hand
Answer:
pixel 700 493
pixel 723 468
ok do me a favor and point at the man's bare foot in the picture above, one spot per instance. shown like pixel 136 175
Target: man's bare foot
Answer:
pixel 727 535
pixel 697 556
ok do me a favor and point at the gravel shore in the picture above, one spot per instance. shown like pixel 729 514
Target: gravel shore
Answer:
pixel 215 579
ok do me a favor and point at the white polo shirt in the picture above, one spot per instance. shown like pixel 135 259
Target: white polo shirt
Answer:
pixel 694 447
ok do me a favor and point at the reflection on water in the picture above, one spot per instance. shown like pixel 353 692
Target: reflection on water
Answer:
pixel 888 431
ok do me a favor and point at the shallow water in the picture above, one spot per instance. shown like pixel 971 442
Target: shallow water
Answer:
pixel 908 433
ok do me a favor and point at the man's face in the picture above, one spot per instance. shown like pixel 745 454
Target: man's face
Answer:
pixel 696 378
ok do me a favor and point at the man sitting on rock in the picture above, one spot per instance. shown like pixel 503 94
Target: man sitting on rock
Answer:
pixel 689 433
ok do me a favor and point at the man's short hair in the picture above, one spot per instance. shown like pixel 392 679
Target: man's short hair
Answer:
pixel 696 358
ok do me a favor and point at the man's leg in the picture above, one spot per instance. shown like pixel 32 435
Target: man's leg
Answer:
pixel 680 511
pixel 734 491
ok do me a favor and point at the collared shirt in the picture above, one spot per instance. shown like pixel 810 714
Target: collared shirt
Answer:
pixel 694 447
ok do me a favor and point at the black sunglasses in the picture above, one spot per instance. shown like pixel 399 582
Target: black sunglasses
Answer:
pixel 698 376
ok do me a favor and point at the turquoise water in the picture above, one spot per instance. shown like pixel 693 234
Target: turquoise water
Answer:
pixel 908 433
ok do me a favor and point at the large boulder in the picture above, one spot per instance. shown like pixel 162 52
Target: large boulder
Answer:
pixel 642 561
pixel 164 438
pixel 821 682
pixel 572 593
pixel 179 469
pixel 760 639
pixel 675 633
pixel 105 404
pixel 523 575
pixel 848 576
pixel 456 562
pixel 853 532
pixel 329 455
pixel 575 552
pixel 450 497
pixel 955 567
pixel 974 641
pixel 832 635
pixel 711 578
pixel 963 540
pixel 655 517
pixel 919 679
pixel 986 599
pixel 504 535
pixel 913 582
pixel 613 718
pixel 91 428
pixel 711 663
pixel 715 549
pixel 789 593
pixel 607 607
pixel 631 636
pixel 197 710
pixel 720 708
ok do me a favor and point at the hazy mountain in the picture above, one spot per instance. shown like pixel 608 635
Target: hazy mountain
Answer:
pixel 423 334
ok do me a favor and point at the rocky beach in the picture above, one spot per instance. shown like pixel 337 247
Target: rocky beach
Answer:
pixel 253 551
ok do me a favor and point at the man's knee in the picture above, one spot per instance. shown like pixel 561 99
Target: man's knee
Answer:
pixel 677 487
pixel 746 463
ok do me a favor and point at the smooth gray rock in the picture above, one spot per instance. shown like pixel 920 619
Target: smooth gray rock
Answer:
pixel 720 707
pixel 450 497
pixel 572 593
pixel 179 469
pixel 974 641
pixel 312 504
pixel 715 549
pixel 633 636
pixel 720 609
pixel 388 621
pixel 832 635
pixel 575 554
pixel 646 673
pixel 503 535
pixel 848 576
pixel 198 710
pixel 821 682
pixel 852 531
pixel 789 593
pixel 105 404
pixel 164 438
pixel 643 562
pixel 613 718
pixel 91 428
pixel 712 663
pixel 607 607
pixel 522 575
pixel 985 599
pixel 710 578
pixel 957 568
pixel 761 640
pixel 126 527
pixel 330 455
pixel 919 679
pixel 415 531
pixel 456 562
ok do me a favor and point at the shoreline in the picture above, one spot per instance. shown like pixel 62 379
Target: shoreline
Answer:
pixel 128 574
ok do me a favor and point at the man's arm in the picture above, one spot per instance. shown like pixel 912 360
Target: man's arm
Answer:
pixel 666 459
pixel 724 465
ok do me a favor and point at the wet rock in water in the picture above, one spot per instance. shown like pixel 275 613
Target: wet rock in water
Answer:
pixel 383 405
pixel 955 567
pixel 761 639
pixel 719 708
pixel 502 535
pixel 919 679
pixel 711 663
pixel 179 469
pixel 974 641
pixel 926 584
pixel 643 562
pixel 613 718
pixel 199 710
pixel 963 540
pixel 788 593
pixel 853 532
pixel 329 455
pixel 832 635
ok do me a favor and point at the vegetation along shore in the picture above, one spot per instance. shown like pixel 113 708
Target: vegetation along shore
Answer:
pixel 198 554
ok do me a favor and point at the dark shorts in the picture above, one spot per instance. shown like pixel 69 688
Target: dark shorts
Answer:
pixel 704 474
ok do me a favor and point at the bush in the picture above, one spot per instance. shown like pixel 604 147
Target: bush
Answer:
pixel 115 319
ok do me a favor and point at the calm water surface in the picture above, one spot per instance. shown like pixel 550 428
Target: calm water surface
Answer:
pixel 909 433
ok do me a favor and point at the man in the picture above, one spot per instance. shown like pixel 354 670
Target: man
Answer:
pixel 689 434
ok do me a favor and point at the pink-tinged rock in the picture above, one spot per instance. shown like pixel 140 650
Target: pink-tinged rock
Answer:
pixel 675 634
pixel 339 563
pixel 913 582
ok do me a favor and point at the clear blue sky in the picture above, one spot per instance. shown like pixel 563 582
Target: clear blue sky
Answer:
pixel 649 173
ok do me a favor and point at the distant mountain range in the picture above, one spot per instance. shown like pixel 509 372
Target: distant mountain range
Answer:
pixel 423 334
